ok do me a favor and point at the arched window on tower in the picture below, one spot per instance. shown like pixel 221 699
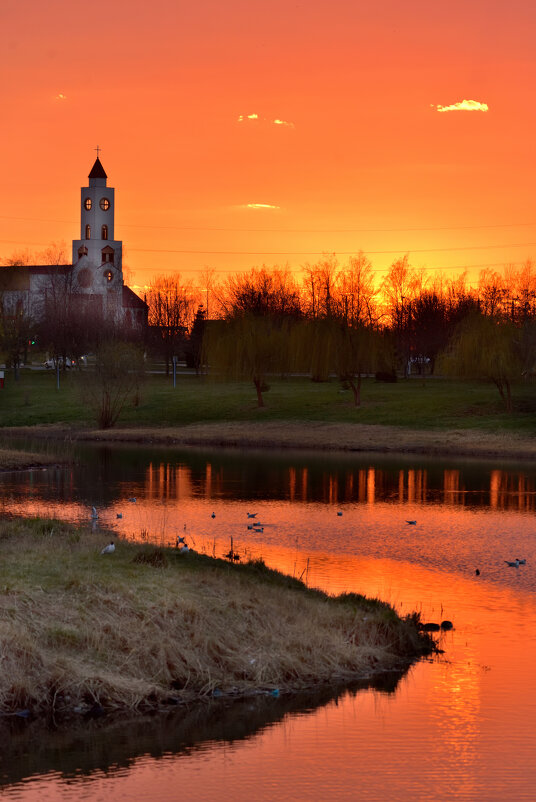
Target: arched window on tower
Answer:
pixel 108 255
pixel 104 232
pixel 82 251
pixel 88 231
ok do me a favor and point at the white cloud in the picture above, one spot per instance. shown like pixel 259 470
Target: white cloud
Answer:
pixel 261 206
pixel 61 96
pixel 463 105
pixel 255 117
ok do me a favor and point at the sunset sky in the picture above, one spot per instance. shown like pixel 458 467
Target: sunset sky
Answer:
pixel 243 133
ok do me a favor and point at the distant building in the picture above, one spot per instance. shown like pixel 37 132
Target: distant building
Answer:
pixel 95 277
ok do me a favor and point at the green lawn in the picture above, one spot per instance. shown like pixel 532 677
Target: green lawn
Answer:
pixel 413 403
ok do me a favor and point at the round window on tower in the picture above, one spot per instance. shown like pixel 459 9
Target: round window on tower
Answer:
pixel 104 204
pixel 87 204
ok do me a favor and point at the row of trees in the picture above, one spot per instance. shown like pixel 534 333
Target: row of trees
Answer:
pixel 335 319
pixel 421 309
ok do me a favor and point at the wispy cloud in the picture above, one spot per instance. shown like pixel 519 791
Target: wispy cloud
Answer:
pixel 61 96
pixel 261 206
pixel 463 105
pixel 244 118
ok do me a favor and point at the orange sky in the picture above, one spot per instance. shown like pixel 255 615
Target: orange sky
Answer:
pixel 366 160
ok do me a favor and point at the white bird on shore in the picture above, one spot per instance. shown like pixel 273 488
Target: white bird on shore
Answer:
pixel 109 549
pixel 94 513
pixel 512 563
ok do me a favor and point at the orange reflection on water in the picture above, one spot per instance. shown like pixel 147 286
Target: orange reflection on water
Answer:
pixel 453 730
pixel 505 490
pixel 452 726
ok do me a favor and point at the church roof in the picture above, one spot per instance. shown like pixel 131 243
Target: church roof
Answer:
pixel 131 300
pixel 97 171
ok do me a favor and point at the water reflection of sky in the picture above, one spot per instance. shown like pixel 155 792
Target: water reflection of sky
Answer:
pixel 468 517
pixel 457 728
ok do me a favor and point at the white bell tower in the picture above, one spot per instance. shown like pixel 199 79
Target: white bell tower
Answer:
pixel 97 256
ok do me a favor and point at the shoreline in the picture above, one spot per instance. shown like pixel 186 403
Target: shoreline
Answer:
pixel 310 436
pixel 148 628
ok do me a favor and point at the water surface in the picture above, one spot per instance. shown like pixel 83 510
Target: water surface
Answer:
pixel 460 727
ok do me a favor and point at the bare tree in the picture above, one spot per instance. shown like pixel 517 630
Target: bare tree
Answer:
pixel 261 291
pixel 399 288
pixel 118 374
pixel 172 306
pixel 357 292
pixel 320 286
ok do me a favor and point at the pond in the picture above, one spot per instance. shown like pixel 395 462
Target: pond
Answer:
pixel 456 727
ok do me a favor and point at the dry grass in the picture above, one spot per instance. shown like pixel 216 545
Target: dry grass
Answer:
pixel 18 460
pixel 331 436
pixel 135 629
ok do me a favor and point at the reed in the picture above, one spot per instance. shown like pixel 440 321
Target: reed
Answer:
pixel 146 627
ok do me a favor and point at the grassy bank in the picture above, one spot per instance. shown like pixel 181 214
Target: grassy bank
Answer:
pixel 11 460
pixel 413 404
pixel 145 627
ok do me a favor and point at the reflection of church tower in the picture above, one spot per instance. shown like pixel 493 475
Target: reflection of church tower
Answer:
pixel 97 257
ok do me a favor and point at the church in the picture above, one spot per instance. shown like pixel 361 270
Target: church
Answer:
pixel 95 277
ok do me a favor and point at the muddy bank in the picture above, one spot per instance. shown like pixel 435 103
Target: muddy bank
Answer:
pixel 311 436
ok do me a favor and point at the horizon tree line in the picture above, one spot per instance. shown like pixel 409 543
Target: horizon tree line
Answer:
pixel 334 319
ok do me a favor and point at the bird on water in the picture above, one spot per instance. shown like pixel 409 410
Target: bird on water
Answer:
pixel 512 563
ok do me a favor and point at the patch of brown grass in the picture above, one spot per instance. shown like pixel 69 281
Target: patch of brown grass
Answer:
pixel 78 628
pixel 11 460
pixel 331 437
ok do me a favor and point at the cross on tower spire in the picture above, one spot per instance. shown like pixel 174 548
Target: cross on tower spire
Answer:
pixel 98 149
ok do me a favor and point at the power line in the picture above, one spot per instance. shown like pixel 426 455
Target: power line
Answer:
pixel 158 269
pixel 299 253
pixel 290 230
pixel 335 252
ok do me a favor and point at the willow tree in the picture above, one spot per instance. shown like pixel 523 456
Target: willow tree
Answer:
pixel 247 347
pixel 486 348
pixel 312 348
pixel 327 346
pixel 358 350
